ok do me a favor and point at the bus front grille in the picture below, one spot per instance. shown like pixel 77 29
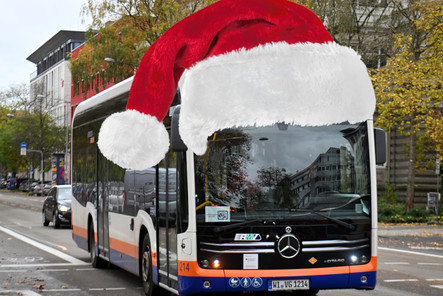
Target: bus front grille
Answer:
pixel 236 248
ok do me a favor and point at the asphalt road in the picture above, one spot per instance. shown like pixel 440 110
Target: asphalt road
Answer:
pixel 37 260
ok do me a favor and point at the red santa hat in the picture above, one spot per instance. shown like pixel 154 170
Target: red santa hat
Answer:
pixel 238 63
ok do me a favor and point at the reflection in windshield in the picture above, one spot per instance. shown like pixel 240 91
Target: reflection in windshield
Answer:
pixel 257 170
pixel 64 194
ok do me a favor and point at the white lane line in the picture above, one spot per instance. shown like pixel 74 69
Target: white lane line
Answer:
pixel 425 248
pixel 39 265
pixel 410 252
pixel 434 280
pixel 61 290
pixel 19 292
pixel 429 263
pixel 437 286
pixel 400 280
pixel 107 289
pixel 43 247
pixel 396 263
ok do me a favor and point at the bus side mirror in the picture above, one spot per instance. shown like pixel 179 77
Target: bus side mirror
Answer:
pixel 177 144
pixel 380 146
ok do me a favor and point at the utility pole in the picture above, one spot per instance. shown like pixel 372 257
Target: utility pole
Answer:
pixel 42 171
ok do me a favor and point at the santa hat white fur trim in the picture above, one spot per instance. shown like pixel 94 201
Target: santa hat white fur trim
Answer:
pixel 133 140
pixel 305 84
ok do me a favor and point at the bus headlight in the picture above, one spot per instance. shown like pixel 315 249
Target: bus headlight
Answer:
pixel 216 263
pixel 354 259
pixel 204 263
pixel 364 259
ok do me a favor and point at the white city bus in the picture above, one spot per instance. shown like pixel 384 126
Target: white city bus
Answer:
pixel 279 207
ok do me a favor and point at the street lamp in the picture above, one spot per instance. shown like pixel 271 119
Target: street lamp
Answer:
pixel 40 96
pixel 112 60
pixel 109 60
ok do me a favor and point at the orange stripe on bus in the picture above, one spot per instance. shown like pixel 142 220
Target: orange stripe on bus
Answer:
pixel 80 231
pixel 123 247
pixel 191 268
pixel 371 266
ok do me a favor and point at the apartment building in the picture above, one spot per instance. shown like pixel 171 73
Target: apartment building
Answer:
pixel 50 84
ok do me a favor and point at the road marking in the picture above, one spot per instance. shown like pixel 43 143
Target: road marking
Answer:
pixel 39 265
pixel 434 280
pixel 43 247
pixel 410 252
pixel 61 290
pixel 400 280
pixel 425 248
pixel 19 292
pixel 106 289
pixel 437 286
pixel 429 263
pixel 396 263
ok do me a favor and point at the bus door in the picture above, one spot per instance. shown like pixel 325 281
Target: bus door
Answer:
pixel 104 189
pixel 167 225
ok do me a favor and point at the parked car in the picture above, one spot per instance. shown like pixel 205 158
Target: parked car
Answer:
pixel 23 185
pixel 46 188
pixel 36 189
pixel 57 206
pixel 3 183
pixel 12 184
pixel 30 187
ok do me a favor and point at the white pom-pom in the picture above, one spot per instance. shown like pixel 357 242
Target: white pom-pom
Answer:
pixel 133 140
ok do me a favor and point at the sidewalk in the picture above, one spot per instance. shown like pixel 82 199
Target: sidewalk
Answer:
pixel 421 230
pixel 413 237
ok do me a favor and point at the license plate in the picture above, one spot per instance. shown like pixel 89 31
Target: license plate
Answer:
pixel 300 284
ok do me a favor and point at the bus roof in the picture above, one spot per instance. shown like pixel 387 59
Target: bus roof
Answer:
pixel 115 90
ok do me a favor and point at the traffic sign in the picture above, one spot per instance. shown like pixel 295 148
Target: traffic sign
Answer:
pixel 23 148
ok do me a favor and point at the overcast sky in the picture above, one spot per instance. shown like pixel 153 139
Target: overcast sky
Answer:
pixel 27 25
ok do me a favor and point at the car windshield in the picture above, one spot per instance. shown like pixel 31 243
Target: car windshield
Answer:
pixel 64 193
pixel 283 171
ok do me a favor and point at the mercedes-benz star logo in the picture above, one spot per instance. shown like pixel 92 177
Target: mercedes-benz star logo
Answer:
pixel 288 246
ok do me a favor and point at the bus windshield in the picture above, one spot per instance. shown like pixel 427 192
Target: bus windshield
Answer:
pixel 283 171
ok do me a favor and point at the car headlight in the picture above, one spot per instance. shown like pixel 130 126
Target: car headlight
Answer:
pixel 63 208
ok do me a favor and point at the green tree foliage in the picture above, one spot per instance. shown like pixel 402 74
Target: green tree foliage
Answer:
pixel 21 123
pixel 409 88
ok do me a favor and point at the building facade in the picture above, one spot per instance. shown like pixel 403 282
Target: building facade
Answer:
pixel 50 84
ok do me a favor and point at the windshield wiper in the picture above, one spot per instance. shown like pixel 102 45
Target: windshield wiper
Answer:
pixel 235 225
pixel 336 221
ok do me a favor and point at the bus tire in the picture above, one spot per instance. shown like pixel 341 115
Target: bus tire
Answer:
pixel 96 261
pixel 146 266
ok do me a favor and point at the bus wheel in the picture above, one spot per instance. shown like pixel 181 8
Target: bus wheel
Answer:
pixel 96 261
pixel 146 267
